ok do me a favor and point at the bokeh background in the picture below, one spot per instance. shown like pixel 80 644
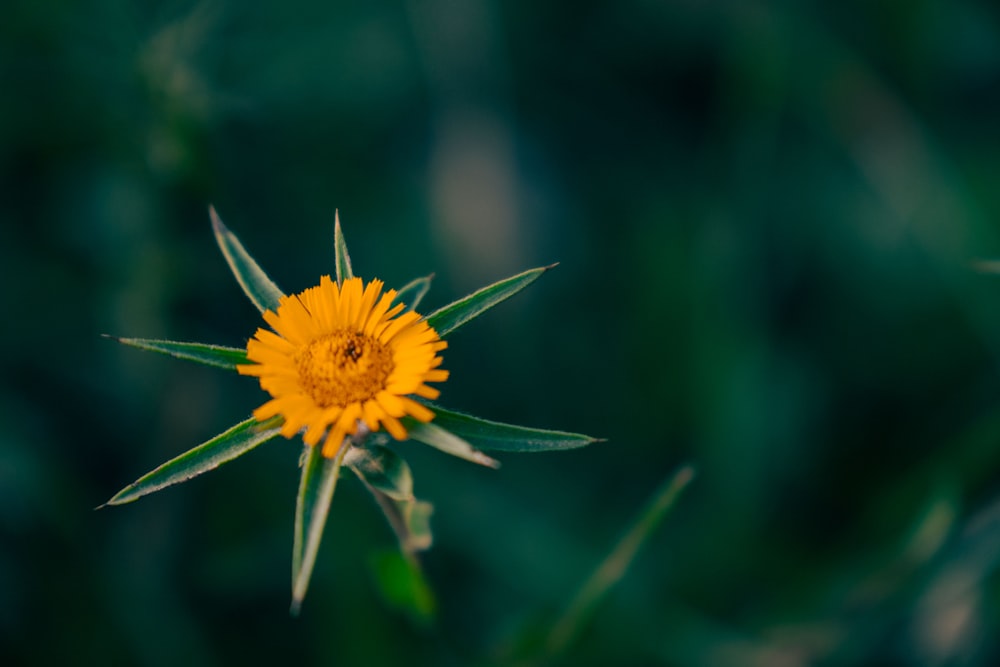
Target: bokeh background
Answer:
pixel 771 220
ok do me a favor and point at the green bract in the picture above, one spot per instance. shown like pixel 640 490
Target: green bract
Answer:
pixel 381 469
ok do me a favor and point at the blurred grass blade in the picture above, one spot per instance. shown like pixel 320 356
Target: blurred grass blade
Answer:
pixel 261 290
pixel 382 469
pixel 209 355
pixel 450 317
pixel 413 292
pixel 235 442
pixel 449 443
pixel 496 436
pixel 319 479
pixel 403 586
pixel 343 259
pixel 614 567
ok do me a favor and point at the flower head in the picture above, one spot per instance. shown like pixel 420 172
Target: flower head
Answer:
pixel 341 356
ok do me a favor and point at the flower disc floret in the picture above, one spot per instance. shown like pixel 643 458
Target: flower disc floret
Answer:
pixel 340 356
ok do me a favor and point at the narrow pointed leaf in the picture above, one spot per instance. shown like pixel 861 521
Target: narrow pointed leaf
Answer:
pixel 209 355
pixel 450 317
pixel 255 283
pixel 496 436
pixel 382 469
pixel 235 442
pixel 343 259
pixel 432 434
pixel 311 462
pixel 319 479
pixel 413 292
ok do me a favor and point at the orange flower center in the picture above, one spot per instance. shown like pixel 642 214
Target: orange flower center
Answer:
pixel 344 367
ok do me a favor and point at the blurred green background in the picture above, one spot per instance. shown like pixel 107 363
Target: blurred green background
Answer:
pixel 767 216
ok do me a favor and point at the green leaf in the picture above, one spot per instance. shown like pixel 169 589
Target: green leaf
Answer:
pixel 209 355
pixel 409 519
pixel 403 586
pixel 235 442
pixel 496 436
pixel 387 476
pixel 450 317
pixel 413 292
pixel 382 469
pixel 340 249
pixel 255 283
pixel 319 479
pixel 417 517
pixel 449 443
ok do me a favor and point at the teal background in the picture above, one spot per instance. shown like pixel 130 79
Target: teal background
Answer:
pixel 768 218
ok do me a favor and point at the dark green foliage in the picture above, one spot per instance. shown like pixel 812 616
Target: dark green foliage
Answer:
pixel 765 214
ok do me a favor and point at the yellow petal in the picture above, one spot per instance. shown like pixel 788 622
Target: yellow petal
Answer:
pixel 339 355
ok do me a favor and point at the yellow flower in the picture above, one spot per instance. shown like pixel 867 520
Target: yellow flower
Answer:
pixel 344 358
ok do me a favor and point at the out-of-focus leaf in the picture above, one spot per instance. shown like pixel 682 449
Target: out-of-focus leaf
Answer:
pixel 235 442
pixel 343 259
pixel 497 436
pixel 255 283
pixel 382 469
pixel 319 479
pixel 403 586
pixel 447 319
pixel 413 292
pixel 417 516
pixel 436 436
pixel 209 355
